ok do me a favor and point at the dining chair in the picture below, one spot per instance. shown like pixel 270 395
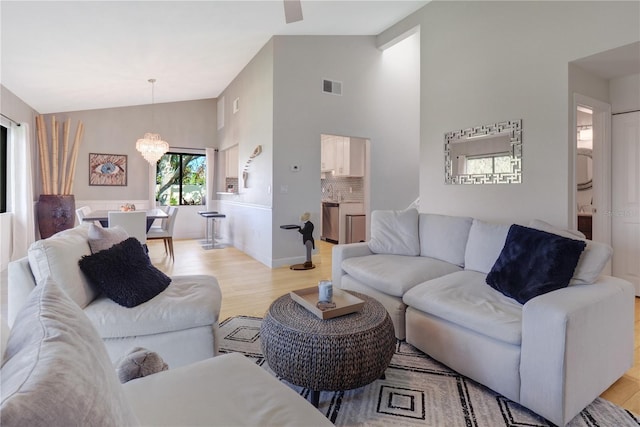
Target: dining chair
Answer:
pixel 165 231
pixel 81 213
pixel 135 223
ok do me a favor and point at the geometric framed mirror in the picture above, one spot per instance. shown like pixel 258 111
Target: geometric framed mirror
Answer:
pixel 487 154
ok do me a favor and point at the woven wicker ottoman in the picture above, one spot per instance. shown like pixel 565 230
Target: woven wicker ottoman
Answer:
pixel 341 353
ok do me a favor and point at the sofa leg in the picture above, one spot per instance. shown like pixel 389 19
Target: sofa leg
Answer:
pixel 315 397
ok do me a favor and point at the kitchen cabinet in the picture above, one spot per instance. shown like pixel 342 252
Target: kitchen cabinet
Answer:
pixel 341 155
pixel 347 208
pixel 328 153
pixel 349 156
pixel 334 219
pixel 231 162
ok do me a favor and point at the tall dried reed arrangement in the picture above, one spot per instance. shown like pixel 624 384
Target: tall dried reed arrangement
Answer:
pixel 57 171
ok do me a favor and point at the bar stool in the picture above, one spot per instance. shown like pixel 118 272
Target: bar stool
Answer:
pixel 210 216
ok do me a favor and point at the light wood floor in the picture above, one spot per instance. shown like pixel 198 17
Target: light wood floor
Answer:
pixel 248 287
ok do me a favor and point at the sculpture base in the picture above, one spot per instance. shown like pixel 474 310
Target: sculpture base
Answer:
pixel 305 266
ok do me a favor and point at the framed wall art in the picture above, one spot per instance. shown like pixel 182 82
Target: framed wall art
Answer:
pixel 107 169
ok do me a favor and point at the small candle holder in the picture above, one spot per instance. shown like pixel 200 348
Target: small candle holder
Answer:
pixel 325 291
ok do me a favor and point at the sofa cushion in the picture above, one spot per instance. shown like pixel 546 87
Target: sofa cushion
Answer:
pixel 484 245
pixel 57 257
pixel 395 232
pixel 56 371
pixel 464 298
pixel 124 273
pixel 534 262
pixel 190 301
pixel 101 238
pixel 395 274
pixel 199 395
pixel 444 237
pixel 592 260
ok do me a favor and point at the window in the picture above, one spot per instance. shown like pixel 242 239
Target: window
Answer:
pixel 181 179
pixel 496 163
pixel 3 169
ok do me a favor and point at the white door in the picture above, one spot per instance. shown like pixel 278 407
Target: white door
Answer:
pixel 625 212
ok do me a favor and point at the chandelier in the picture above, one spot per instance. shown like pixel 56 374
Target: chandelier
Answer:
pixel 151 145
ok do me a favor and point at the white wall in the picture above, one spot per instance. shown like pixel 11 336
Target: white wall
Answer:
pixel 586 83
pixel 283 109
pixel 252 125
pixel 379 102
pixel 483 62
pixel 248 222
pixel 625 93
pixel 188 124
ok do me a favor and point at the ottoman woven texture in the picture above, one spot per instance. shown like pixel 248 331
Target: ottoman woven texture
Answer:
pixel 341 353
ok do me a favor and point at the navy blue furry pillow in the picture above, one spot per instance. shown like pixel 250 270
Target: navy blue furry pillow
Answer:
pixel 124 273
pixel 534 262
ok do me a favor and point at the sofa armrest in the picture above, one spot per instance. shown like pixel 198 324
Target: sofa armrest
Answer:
pixel 21 283
pixel 576 342
pixel 342 252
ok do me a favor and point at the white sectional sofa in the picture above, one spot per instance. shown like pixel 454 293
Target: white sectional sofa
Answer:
pixel 553 354
pixel 56 372
pixel 180 323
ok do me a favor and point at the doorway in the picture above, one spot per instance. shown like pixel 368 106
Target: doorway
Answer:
pixel 591 150
pixel 344 185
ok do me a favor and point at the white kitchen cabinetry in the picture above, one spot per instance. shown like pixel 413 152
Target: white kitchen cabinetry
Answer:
pixel 231 162
pixel 349 156
pixel 328 153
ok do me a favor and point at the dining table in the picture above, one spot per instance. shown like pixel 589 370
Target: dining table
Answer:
pixel 103 216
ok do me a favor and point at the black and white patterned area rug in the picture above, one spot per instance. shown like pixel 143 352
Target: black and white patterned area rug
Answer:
pixel 418 391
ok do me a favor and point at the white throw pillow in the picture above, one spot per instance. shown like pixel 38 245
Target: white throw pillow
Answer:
pixel 57 257
pixel 103 238
pixel 56 370
pixel 395 232
pixel 484 245
pixel 444 237
pixel 593 260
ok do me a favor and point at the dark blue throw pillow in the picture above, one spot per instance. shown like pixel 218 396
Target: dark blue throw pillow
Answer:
pixel 534 262
pixel 124 273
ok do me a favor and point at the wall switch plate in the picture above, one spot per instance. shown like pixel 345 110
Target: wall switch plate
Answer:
pixel 295 168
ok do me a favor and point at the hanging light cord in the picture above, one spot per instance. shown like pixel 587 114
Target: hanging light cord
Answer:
pixel 153 102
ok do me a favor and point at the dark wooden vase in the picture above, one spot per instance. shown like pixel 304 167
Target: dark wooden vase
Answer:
pixel 55 213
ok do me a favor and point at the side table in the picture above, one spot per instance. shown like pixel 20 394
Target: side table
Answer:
pixel 341 353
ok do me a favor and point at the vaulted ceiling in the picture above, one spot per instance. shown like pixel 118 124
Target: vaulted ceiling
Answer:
pixel 78 55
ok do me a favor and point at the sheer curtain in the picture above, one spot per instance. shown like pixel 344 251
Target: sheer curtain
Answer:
pixel 22 201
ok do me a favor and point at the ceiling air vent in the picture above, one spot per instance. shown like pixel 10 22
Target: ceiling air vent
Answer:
pixel 332 87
